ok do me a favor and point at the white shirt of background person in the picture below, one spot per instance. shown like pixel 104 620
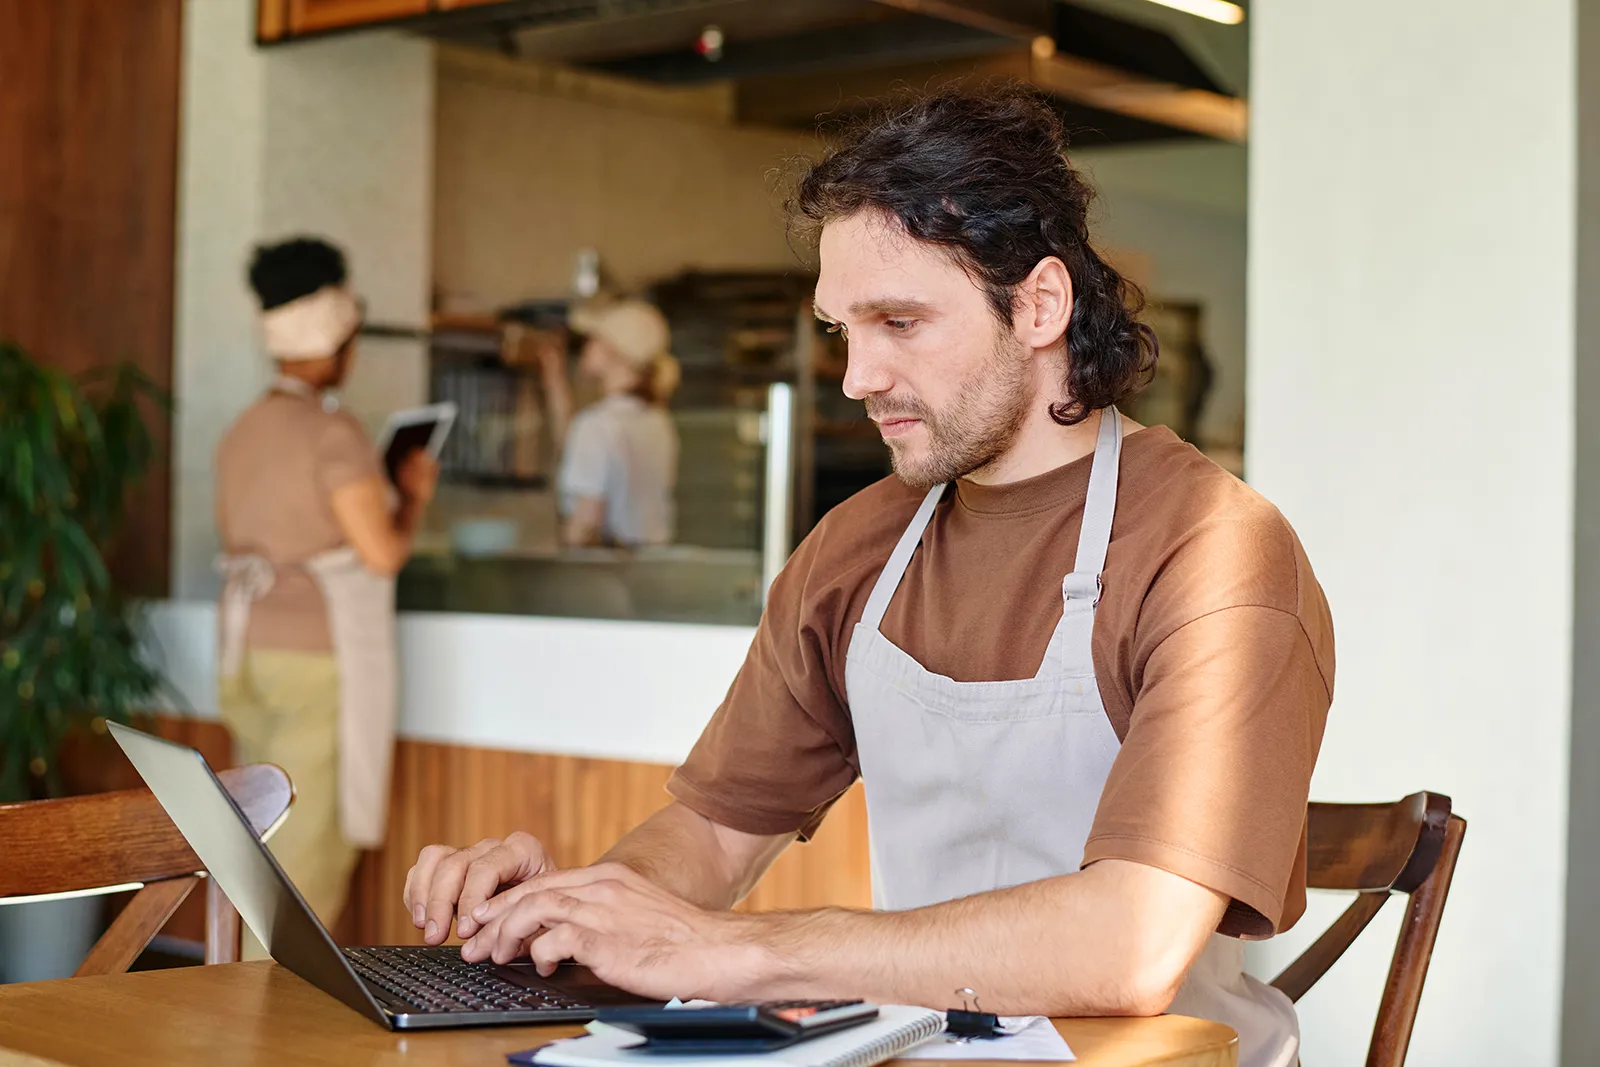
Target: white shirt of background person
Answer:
pixel 623 452
pixel 619 467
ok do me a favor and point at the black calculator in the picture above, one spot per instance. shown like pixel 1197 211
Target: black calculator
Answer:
pixel 737 1027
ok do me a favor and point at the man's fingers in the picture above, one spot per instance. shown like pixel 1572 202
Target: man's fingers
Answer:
pixel 567 879
pixel 508 863
pixel 419 878
pixel 503 938
pixel 502 902
pixel 405 895
pixel 547 909
pixel 567 941
pixel 444 890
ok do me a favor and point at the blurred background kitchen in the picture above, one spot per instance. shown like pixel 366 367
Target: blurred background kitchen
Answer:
pixel 485 163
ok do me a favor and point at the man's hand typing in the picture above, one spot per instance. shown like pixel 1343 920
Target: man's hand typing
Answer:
pixel 446 885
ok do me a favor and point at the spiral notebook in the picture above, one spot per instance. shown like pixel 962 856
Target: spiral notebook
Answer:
pixel 896 1029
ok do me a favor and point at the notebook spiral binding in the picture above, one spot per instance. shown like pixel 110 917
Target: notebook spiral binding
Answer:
pixel 889 1045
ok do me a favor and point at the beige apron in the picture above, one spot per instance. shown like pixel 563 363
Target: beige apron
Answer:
pixel 361 618
pixel 975 786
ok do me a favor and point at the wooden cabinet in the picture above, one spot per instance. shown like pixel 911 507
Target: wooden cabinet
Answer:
pixel 282 20
pixel 278 19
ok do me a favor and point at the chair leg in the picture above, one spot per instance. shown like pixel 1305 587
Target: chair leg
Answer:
pixel 141 920
pixel 222 926
pixel 1397 1012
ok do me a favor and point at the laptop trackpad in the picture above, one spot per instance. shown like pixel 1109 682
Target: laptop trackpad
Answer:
pixel 577 982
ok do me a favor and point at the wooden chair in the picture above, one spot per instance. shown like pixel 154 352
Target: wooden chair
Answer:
pixel 113 839
pixel 1377 850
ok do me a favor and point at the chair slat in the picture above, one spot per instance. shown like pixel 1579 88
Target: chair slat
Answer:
pixel 1314 962
pixel 141 920
pixel 108 839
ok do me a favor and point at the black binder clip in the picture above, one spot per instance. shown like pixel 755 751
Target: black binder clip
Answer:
pixel 970 1022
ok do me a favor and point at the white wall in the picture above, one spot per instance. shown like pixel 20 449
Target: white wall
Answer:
pixel 333 137
pixel 217 367
pixel 1410 408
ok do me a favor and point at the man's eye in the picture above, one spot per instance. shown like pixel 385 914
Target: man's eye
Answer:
pixel 900 325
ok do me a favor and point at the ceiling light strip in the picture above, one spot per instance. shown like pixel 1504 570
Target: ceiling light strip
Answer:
pixel 1215 10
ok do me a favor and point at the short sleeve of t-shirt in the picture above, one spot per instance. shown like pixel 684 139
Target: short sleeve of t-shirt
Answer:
pixel 584 460
pixel 344 454
pixel 1194 790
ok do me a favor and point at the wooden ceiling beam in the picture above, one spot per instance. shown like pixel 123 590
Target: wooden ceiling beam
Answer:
pixel 1226 118
pixel 793 99
pixel 1021 19
pixel 1085 82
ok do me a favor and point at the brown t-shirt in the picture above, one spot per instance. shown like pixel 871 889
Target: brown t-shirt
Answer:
pixel 1213 651
pixel 277 469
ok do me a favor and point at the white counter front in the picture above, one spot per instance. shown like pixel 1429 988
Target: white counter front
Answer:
pixel 582 687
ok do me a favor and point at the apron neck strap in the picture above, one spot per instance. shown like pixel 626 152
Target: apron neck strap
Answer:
pixel 899 559
pixel 1099 507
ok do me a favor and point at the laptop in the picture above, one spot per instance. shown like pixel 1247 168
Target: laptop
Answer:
pixel 402 987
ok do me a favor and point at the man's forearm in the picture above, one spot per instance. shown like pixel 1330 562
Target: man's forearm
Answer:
pixel 696 859
pixel 1113 940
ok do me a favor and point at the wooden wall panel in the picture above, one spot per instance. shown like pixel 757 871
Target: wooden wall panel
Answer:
pixel 578 807
pixel 88 186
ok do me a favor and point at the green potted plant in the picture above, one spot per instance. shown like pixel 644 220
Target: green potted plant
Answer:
pixel 71 448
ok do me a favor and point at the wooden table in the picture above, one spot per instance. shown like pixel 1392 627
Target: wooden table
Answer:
pixel 260 1014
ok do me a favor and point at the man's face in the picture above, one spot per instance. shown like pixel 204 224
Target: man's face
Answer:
pixel 947 385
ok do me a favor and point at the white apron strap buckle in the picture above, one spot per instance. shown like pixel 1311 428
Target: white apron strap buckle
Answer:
pixel 1080 586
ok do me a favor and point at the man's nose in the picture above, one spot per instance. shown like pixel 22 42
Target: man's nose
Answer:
pixel 865 375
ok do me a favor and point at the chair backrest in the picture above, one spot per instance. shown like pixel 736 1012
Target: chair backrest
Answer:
pixel 1376 850
pixel 113 839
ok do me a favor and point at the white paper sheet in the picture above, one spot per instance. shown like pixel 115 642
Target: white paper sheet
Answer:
pixel 1028 1037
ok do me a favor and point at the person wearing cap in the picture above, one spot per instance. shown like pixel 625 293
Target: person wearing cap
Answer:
pixel 619 466
pixel 311 541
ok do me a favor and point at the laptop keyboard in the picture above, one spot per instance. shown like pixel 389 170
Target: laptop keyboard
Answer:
pixel 438 979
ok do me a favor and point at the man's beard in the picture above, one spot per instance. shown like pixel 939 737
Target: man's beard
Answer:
pixel 976 429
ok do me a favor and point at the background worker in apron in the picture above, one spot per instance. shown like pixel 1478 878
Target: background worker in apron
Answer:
pixel 311 543
pixel 619 464
pixel 1081 670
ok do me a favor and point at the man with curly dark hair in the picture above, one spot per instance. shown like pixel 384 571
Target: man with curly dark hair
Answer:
pixel 1082 671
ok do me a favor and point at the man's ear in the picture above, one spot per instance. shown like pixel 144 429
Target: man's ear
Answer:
pixel 1043 305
